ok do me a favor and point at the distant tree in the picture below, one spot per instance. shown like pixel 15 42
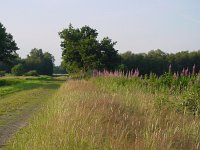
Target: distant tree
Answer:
pixel 7 66
pixel 34 60
pixel 82 51
pixel 59 70
pixel 158 62
pixel 39 61
pixel 4 67
pixel 8 47
pixel 18 70
pixel 48 63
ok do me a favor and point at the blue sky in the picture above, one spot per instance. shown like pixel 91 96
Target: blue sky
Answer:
pixel 137 25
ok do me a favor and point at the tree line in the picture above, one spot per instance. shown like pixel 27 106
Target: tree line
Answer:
pixel 82 51
pixel 158 62
pixel 37 60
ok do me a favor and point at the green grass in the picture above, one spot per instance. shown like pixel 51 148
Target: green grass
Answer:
pixel 109 113
pixel 23 96
pixel 15 84
pixel 18 101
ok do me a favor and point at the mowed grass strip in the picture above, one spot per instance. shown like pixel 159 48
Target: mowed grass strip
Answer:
pixel 23 99
pixel 82 115
pixel 16 108
pixel 13 85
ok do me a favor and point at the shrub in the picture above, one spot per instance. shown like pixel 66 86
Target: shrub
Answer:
pixel 32 73
pixel 18 70
pixel 2 73
pixel 191 101
pixel 2 82
pixel 166 80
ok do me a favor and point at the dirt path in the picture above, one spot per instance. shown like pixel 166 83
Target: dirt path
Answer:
pixel 17 108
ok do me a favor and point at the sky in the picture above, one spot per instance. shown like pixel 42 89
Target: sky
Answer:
pixel 136 25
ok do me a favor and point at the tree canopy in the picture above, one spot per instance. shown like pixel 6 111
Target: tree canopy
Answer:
pixel 8 47
pixel 41 62
pixel 82 51
pixel 157 61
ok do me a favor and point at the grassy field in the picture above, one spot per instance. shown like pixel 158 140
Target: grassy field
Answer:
pixel 9 85
pixel 114 113
pixel 20 98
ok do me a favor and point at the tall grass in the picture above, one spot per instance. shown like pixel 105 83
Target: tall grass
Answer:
pixel 111 113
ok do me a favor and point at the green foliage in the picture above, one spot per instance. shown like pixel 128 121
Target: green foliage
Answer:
pixel 5 67
pixel 59 70
pixel 82 51
pixel 109 56
pixel 163 102
pixel 8 47
pixel 3 82
pixel 158 62
pixel 2 73
pixel 18 70
pixel 32 73
pixel 166 79
pixel 191 100
pixel 122 67
pixel 12 85
pixel 7 82
pixel 41 62
pixel 181 93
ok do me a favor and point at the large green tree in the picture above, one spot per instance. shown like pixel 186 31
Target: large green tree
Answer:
pixel 82 51
pixel 71 48
pixel 109 56
pixel 8 47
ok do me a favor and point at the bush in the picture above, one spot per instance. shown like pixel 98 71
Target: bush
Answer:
pixel 191 101
pixel 18 70
pixel 2 73
pixel 32 73
pixel 2 82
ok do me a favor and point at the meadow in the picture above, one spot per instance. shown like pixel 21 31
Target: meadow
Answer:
pixel 20 97
pixel 111 111
pixel 89 95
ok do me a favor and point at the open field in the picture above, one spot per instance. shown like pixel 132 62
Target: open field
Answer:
pixel 115 113
pixel 116 75
pixel 19 99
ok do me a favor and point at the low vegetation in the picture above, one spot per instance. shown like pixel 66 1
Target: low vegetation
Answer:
pixel 32 73
pixel 2 73
pixel 20 98
pixel 18 70
pixel 12 84
pixel 117 113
